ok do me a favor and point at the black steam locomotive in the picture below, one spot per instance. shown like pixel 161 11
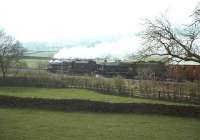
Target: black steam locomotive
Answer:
pixel 108 69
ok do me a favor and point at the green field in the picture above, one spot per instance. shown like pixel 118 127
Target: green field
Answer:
pixel 36 124
pixel 36 63
pixel 42 53
pixel 68 93
pixel 29 124
pixel 35 59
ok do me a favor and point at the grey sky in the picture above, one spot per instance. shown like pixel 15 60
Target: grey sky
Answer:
pixel 65 20
pixel 43 20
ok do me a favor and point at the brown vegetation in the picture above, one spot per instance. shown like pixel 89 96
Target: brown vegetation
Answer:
pixel 174 91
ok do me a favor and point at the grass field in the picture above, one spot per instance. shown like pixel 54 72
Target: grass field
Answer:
pixel 68 93
pixel 41 53
pixel 35 63
pixel 28 124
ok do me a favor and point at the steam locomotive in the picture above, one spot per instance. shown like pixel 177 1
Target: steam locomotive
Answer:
pixel 108 69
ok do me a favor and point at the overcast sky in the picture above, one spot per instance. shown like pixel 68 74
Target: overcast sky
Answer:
pixel 54 20
pixel 42 20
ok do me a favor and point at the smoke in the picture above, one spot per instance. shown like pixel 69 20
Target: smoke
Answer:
pixel 119 49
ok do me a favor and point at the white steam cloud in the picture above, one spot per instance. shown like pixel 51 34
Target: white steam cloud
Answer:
pixel 119 49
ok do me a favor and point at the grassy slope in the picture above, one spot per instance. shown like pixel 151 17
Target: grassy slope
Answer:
pixel 34 63
pixel 28 124
pixel 74 94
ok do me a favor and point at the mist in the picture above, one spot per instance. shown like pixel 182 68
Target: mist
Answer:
pixel 119 49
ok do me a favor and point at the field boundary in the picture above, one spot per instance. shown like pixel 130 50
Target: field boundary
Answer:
pixel 111 87
pixel 72 105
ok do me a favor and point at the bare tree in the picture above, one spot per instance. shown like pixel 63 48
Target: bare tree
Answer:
pixel 11 51
pixel 162 38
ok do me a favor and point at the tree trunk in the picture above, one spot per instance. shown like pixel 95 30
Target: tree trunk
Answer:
pixel 3 71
